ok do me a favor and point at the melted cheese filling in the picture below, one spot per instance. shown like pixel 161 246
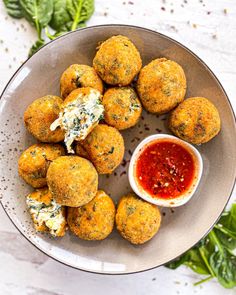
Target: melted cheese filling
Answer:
pixel 79 117
pixel 50 214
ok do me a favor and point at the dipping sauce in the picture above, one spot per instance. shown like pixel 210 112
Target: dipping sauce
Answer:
pixel 165 169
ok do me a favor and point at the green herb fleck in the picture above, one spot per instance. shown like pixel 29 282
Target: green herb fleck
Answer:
pixel 130 210
pixel 111 150
pixel 33 153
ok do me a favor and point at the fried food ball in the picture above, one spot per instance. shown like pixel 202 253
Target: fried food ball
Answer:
pixel 117 61
pixel 137 220
pixel 81 151
pixel 161 85
pixel 34 162
pixel 39 116
pixel 77 76
pixel 72 181
pixel 46 214
pixel 122 107
pixel 95 220
pixel 81 112
pixel 105 147
pixel 195 120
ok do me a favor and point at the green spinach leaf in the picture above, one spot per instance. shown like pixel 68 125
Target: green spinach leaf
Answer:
pixel 196 262
pixel 226 237
pixel 35 47
pixel 178 261
pixel 226 228
pixel 192 259
pixel 224 266
pixel 228 219
pixel 37 12
pixel 80 11
pixel 60 15
pixel 13 8
pixel 87 10
pixel 71 14
pixel 222 263
pixel 214 255
pixel 61 19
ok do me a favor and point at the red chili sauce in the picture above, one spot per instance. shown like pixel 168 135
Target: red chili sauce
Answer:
pixel 165 169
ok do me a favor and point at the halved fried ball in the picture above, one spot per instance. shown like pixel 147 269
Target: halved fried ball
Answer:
pixel 77 76
pixel 117 61
pixel 161 85
pixel 39 116
pixel 137 220
pixel 80 113
pixel 95 220
pixel 46 214
pixel 122 107
pixel 72 181
pixel 34 162
pixel 105 147
pixel 195 120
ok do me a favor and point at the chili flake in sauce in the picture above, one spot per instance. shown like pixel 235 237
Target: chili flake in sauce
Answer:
pixel 165 169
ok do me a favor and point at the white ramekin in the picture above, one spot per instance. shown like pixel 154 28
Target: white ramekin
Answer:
pixel 183 198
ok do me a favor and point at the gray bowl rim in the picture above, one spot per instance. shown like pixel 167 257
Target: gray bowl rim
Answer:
pixel 194 55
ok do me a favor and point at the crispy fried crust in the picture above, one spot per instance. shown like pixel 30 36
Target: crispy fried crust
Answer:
pixel 136 220
pixel 39 116
pixel 77 76
pixel 34 162
pixel 72 180
pixel 95 220
pixel 195 120
pixel 161 85
pixel 105 147
pixel 81 151
pixel 117 61
pixel 122 107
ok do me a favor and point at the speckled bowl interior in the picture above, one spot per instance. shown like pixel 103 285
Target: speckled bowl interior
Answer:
pixel 181 227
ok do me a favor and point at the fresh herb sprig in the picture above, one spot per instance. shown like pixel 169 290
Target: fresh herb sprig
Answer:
pixel 214 256
pixel 61 15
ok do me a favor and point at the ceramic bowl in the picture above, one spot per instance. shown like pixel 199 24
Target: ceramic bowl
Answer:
pixel 181 227
pixel 174 202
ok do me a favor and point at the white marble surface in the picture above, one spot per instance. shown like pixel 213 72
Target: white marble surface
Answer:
pixel 208 29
